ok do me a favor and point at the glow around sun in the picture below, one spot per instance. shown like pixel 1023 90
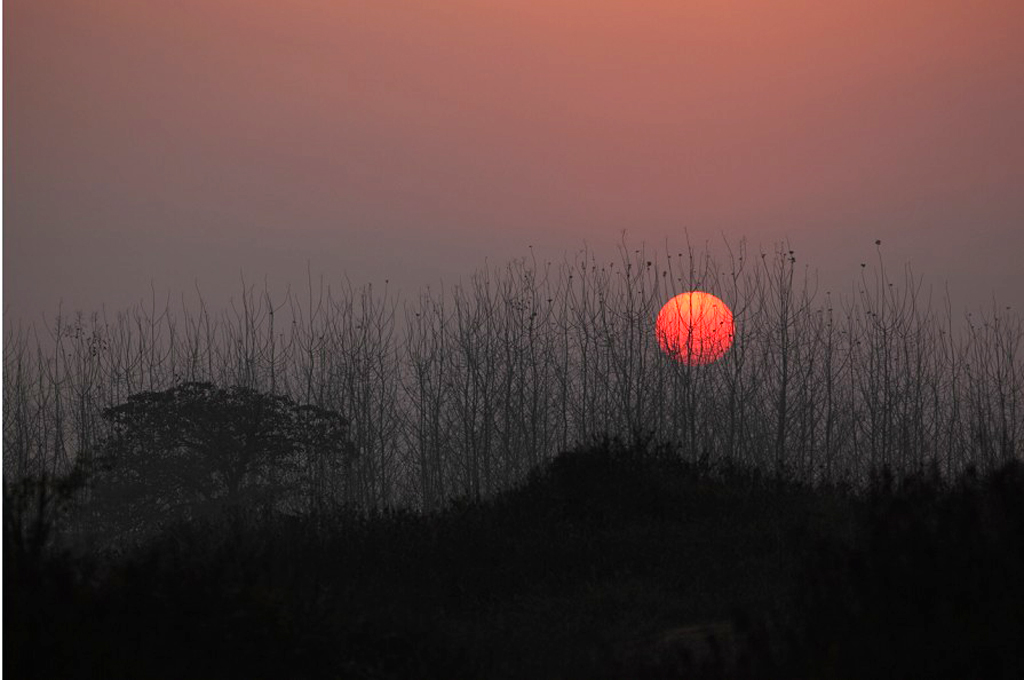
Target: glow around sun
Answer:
pixel 695 328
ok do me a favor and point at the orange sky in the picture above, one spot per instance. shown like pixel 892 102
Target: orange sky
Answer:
pixel 175 140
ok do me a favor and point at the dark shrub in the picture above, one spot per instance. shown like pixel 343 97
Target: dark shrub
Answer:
pixel 930 587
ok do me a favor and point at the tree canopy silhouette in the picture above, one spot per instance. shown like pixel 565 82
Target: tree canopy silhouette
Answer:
pixel 197 448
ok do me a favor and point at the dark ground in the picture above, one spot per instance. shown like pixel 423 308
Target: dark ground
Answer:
pixel 575 574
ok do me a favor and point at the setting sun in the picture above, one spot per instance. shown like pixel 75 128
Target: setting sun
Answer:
pixel 695 328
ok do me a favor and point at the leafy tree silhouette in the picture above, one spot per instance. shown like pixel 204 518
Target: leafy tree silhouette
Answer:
pixel 197 449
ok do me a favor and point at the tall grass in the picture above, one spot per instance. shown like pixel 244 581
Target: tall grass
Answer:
pixel 459 392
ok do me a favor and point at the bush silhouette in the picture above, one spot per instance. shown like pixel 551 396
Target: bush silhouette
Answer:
pixel 576 573
pixel 930 586
pixel 611 482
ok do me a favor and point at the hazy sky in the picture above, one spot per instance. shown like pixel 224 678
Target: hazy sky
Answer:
pixel 169 141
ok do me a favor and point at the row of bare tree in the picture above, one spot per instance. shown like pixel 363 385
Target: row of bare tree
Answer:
pixel 461 391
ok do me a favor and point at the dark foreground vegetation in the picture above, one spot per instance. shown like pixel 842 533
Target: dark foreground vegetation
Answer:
pixel 578 572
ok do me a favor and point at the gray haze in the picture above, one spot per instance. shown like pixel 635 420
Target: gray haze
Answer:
pixel 170 144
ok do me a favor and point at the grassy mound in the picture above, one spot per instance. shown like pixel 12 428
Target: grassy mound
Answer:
pixel 575 574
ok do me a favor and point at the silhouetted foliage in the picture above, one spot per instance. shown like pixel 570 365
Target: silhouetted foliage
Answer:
pixel 197 449
pixel 597 567
pixel 34 510
pixel 596 553
pixel 929 586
